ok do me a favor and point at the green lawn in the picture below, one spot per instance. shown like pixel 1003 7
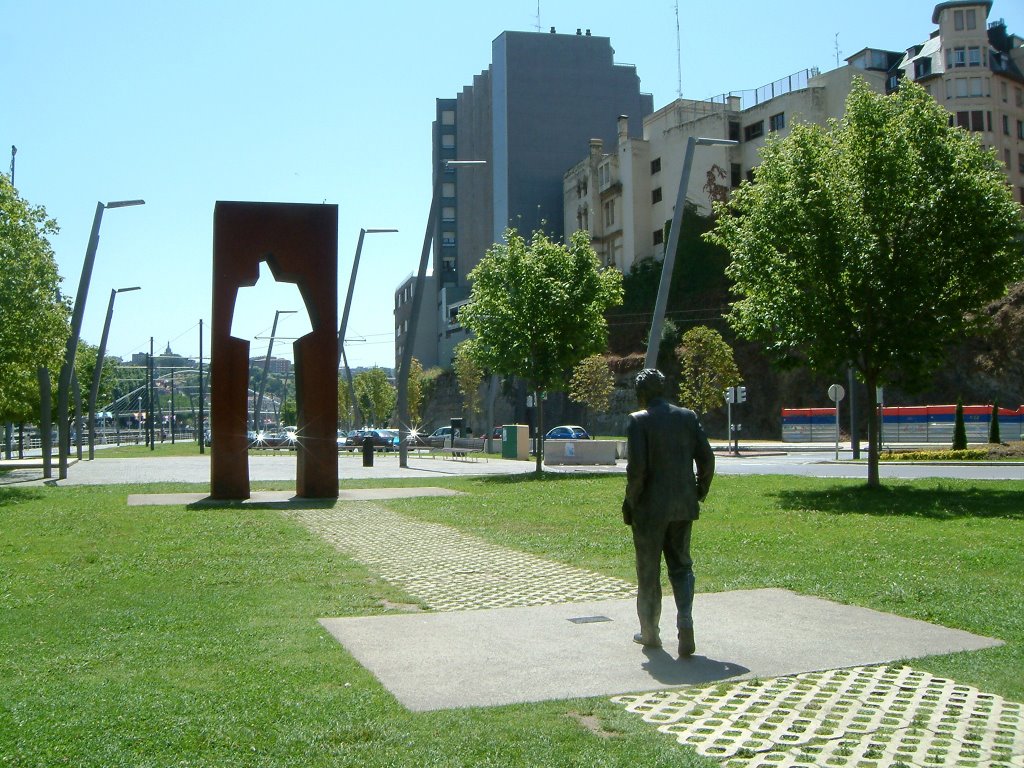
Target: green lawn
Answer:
pixel 165 636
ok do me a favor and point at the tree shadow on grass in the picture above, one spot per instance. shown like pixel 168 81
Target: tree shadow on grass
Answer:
pixel 11 496
pixel 935 503
pixel 545 477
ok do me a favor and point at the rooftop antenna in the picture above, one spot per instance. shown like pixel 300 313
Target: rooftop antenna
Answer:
pixel 679 56
pixel 838 52
pixel 538 15
pixel 14 151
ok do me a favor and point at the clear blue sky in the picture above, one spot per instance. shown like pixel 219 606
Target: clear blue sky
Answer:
pixel 191 102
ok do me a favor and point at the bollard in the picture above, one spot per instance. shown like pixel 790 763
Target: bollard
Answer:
pixel 367 451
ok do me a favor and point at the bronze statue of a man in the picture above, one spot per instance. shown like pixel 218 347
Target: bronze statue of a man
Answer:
pixel 663 492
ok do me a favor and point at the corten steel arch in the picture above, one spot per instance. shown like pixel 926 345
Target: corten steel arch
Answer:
pixel 300 245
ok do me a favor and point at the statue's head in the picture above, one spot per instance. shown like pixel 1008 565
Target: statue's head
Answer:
pixel 650 383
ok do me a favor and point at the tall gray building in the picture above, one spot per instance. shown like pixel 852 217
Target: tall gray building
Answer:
pixel 543 96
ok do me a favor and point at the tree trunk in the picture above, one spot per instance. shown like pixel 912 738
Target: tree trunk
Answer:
pixel 870 382
pixel 540 431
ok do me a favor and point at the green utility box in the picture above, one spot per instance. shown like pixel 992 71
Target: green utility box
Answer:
pixel 515 442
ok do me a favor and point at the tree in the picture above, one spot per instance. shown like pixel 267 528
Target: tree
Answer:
pixel 345 404
pixel 959 428
pixel 708 369
pixel 592 383
pixel 993 425
pixel 415 391
pixel 537 309
pixel 468 376
pixel 872 242
pixel 377 395
pixel 34 321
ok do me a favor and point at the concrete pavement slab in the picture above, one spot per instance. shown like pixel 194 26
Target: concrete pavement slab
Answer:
pixel 492 657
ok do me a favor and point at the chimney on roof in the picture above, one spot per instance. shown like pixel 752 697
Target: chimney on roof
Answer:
pixel 623 128
pixel 578 31
pixel 552 30
pixel 588 33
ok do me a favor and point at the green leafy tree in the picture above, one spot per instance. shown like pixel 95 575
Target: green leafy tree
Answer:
pixel 872 242
pixel 468 377
pixel 345 405
pixel 377 395
pixel 33 320
pixel 707 369
pixel 537 309
pixel 415 391
pixel 592 383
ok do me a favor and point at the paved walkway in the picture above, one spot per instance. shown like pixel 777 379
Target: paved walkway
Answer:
pixel 493 641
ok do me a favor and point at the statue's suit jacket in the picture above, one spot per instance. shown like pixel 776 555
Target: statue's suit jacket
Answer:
pixel 664 443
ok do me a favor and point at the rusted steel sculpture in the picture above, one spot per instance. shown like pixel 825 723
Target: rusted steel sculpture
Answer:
pixel 300 245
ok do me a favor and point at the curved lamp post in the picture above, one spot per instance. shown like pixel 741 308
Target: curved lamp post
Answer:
pixel 98 369
pixel 417 300
pixel 64 382
pixel 660 305
pixel 344 316
pixel 266 368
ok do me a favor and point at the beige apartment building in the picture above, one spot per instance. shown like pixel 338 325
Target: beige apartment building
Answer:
pixel 624 198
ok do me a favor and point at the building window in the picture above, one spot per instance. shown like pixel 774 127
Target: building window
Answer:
pixel 974 56
pixel 753 131
pixel 659 236
pixel 448 213
pixel 1020 129
pixel 609 213
pixel 448 263
pixel 448 238
pixel 972 22
pixel 961 87
pixel 734 130
pixel 959 57
pixel 1019 95
pixel 655 165
pixel 1020 162
pixel 448 117
pixel 1006 158
pixel 922 68
pixel 735 175
pixel 976 86
pixel 977 120
pixel 777 122
pixel 656 195
pixel 448 189
pixel 448 140
pixel 958 21
pixel 963 120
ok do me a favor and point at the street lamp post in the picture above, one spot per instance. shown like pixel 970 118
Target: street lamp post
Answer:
pixel 417 300
pixel 344 315
pixel 98 370
pixel 266 368
pixel 660 305
pixel 64 382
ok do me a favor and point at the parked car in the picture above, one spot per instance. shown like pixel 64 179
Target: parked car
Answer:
pixel 567 432
pixel 382 439
pixel 438 437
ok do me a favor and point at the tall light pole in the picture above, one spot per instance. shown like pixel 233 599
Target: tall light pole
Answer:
pixel 660 305
pixel 64 382
pixel 266 368
pixel 98 370
pixel 344 315
pixel 417 300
